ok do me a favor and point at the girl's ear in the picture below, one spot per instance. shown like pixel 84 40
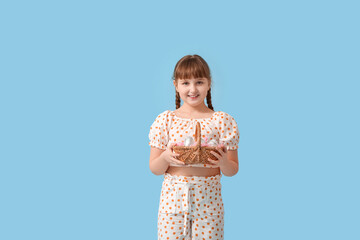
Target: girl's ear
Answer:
pixel 175 85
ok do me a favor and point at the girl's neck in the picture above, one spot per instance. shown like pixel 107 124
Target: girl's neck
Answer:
pixel 194 110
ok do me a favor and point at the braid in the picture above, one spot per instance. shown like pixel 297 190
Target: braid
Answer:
pixel 208 100
pixel 177 101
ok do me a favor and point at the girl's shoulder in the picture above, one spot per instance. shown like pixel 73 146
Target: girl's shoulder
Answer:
pixel 161 120
pixel 225 118
pixel 164 117
pixel 163 114
pixel 225 114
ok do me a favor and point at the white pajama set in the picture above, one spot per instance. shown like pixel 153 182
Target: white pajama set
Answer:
pixel 191 207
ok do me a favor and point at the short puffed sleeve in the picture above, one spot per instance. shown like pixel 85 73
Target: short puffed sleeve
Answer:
pixel 229 132
pixel 158 134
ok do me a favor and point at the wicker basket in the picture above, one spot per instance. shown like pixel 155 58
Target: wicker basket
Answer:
pixel 196 154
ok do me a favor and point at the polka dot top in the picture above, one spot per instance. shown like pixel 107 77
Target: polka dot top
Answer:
pixel 168 128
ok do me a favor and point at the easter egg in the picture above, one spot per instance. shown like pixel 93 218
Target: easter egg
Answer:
pixel 188 141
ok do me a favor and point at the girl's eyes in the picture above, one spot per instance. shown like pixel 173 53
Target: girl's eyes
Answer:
pixel 197 82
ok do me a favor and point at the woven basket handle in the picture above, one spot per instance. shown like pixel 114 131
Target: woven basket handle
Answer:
pixel 198 134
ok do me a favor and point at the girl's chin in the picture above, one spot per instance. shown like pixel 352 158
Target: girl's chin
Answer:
pixel 193 104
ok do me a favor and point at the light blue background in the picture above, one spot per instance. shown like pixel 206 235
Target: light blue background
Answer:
pixel 82 82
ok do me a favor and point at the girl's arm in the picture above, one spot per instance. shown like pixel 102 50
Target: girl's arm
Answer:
pixel 231 166
pixel 160 159
pixel 158 165
pixel 227 161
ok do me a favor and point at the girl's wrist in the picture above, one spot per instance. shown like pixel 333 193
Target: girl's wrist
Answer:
pixel 229 168
pixel 224 163
pixel 163 159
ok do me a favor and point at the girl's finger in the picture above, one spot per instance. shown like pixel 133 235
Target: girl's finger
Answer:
pixel 215 154
pixel 220 150
pixel 172 145
pixel 177 161
pixel 213 161
pixel 210 160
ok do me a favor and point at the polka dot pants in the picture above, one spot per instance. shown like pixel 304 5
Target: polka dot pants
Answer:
pixel 191 208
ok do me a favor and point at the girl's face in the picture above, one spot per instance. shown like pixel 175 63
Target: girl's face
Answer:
pixel 192 91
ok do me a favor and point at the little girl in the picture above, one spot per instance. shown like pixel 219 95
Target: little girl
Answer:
pixel 191 205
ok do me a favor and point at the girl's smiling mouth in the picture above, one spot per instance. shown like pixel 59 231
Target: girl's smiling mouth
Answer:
pixel 193 96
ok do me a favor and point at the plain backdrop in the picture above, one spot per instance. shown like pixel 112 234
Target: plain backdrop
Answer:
pixel 82 82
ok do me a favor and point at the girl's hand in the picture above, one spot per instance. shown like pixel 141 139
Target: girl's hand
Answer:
pixel 221 158
pixel 169 156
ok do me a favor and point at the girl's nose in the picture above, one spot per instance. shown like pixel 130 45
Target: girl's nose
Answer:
pixel 193 87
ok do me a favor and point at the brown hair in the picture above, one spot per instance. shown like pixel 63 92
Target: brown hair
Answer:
pixel 192 66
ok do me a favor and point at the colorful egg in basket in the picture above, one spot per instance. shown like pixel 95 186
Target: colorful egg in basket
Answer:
pixel 196 154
